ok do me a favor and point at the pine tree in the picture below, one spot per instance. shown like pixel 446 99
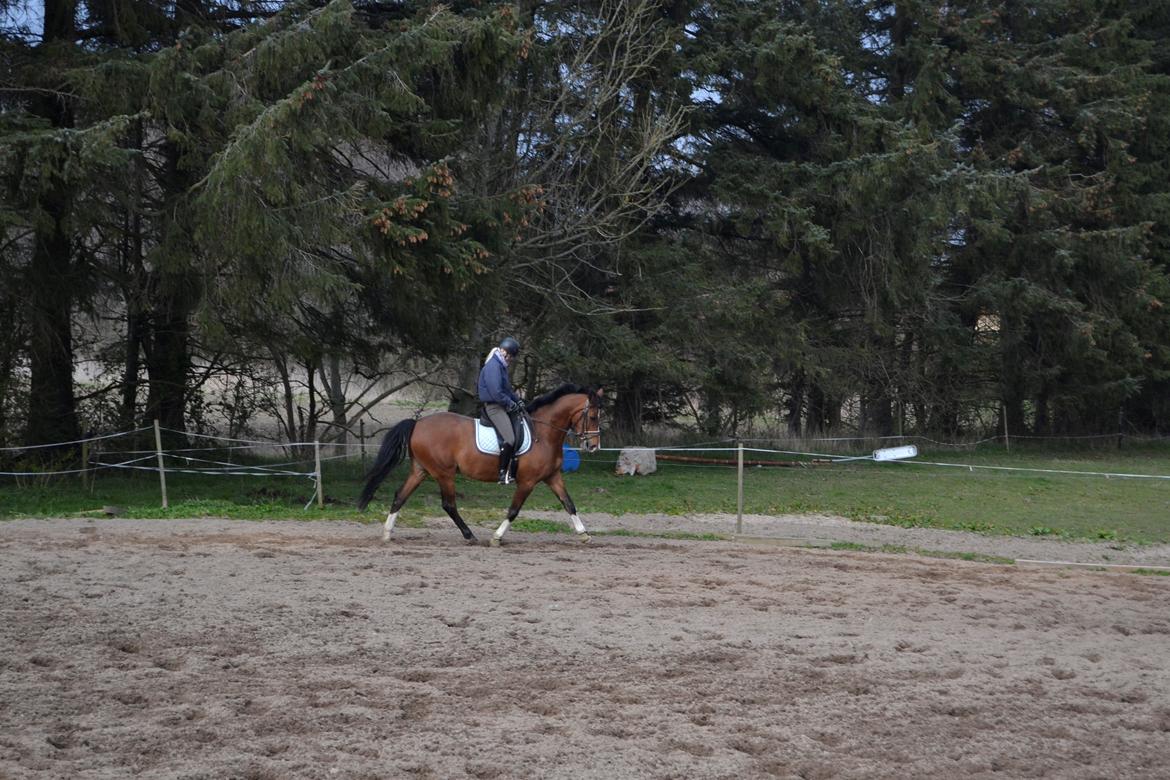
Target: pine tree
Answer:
pixel 330 204
pixel 57 164
pixel 1056 95
pixel 830 194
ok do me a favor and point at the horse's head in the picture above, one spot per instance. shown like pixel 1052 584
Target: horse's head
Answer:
pixel 571 409
pixel 587 423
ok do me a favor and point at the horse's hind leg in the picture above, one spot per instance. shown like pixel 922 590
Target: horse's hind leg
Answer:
pixel 447 489
pixel 415 479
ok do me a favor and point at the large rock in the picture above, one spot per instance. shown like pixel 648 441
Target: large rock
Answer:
pixel 636 460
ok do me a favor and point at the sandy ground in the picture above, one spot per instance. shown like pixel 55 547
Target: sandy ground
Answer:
pixel 216 649
pixel 825 529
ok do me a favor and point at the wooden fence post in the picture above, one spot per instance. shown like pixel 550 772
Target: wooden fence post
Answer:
pixel 1006 444
pixel 739 499
pixel 162 472
pixel 320 488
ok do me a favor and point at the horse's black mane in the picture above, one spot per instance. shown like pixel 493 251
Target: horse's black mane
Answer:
pixel 560 392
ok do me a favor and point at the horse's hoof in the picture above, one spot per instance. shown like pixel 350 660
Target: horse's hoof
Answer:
pixel 471 540
pixel 385 536
pixel 585 538
pixel 495 542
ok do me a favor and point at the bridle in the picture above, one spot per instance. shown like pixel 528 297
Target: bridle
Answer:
pixel 583 415
pixel 571 430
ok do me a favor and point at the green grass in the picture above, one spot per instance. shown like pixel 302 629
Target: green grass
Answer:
pixel 540 526
pixel 1019 503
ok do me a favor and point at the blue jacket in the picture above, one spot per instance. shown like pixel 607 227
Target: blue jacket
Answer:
pixel 494 384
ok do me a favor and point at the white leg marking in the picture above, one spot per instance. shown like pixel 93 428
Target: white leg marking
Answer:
pixel 499 534
pixel 579 527
pixel 390 520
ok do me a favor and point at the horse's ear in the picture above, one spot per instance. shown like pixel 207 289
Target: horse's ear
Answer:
pixel 599 392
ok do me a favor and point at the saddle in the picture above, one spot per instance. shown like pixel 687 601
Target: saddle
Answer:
pixel 487 438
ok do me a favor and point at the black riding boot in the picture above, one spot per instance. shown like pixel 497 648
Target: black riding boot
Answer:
pixel 505 461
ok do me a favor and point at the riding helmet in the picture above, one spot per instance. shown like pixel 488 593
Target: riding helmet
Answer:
pixel 510 345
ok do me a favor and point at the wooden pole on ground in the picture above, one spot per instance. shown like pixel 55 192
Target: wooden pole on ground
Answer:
pixel 320 488
pixel 739 491
pixel 162 472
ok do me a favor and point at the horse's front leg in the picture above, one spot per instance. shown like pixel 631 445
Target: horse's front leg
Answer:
pixel 518 499
pixel 557 483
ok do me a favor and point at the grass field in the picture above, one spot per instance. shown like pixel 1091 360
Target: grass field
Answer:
pixel 906 494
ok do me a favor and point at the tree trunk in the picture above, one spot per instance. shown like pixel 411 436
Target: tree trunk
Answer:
pixel 794 405
pixel 1013 408
pixel 824 413
pixel 52 415
pixel 11 338
pixel 465 397
pixel 288 421
pixel 134 294
pixel 1043 424
pixel 175 296
pixel 309 426
pixel 627 409
pixel 50 281
pixel 877 416
pixel 335 393
pixel 168 364
pixel 712 420
pixel 135 328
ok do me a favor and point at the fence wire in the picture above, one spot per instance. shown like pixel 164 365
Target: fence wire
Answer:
pixel 191 462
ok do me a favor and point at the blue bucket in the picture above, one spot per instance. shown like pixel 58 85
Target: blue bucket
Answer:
pixel 572 460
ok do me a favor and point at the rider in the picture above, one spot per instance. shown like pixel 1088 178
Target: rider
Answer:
pixel 501 403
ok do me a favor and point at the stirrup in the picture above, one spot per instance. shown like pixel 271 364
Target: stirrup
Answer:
pixel 505 478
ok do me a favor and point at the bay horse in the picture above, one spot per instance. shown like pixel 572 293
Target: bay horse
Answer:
pixel 441 445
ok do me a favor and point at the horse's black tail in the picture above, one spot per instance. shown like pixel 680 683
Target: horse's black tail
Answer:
pixel 393 450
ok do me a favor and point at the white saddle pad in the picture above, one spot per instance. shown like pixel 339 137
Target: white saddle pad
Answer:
pixel 487 440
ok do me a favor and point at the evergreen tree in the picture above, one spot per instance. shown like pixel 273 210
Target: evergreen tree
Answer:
pixel 1056 94
pixel 1144 198
pixel 332 186
pixel 909 212
pixel 58 163
pixel 839 205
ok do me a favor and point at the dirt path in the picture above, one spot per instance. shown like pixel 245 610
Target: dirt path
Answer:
pixel 828 528
pixel 215 648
